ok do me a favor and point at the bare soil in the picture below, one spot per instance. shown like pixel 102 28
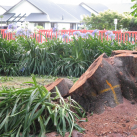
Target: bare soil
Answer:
pixel 120 121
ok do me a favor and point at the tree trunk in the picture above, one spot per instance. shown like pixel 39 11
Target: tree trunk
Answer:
pixel 116 52
pixel 126 67
pixel 98 87
pixel 63 85
pixel 105 82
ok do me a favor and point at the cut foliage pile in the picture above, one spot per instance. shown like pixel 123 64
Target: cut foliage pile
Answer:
pixel 32 111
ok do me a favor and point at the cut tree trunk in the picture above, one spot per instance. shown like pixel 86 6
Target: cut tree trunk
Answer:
pixel 106 81
pixel 98 87
pixel 63 85
pixel 126 68
pixel 116 52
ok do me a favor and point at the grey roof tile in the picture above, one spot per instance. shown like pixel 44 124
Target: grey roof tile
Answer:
pixel 96 6
pixel 6 7
pixel 55 12
pixel 75 10
pixel 37 17
pixel 7 16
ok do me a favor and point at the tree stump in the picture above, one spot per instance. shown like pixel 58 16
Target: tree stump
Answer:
pixel 104 83
pixel 63 85
pixel 98 87
pixel 116 52
pixel 126 68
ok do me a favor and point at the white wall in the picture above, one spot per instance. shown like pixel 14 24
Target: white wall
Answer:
pixel 47 25
pixel 2 11
pixel 31 25
pixel 18 24
pixel 24 7
pixel 63 25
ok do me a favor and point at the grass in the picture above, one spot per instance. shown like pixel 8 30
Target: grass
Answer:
pixel 19 82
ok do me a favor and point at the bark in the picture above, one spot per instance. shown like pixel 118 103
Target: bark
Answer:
pixel 126 67
pixel 63 85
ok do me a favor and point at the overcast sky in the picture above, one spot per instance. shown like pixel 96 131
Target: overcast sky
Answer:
pixel 13 2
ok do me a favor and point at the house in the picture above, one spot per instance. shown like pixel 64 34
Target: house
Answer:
pixel 49 14
pixel 46 13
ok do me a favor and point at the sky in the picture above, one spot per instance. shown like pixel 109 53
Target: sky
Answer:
pixel 13 2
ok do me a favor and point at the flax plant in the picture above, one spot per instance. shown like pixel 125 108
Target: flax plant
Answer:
pixel 8 57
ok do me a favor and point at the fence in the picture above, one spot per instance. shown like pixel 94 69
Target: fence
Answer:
pixel 43 35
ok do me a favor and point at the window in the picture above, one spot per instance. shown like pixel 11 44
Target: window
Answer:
pixel 40 24
pixel 72 25
pixel 53 25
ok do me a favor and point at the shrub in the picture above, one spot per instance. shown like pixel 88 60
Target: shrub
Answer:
pixel 39 27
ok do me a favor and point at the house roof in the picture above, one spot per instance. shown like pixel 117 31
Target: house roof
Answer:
pixel 97 7
pixel 76 10
pixel 121 7
pixel 20 3
pixel 37 17
pixel 7 16
pixel 5 7
pixel 55 12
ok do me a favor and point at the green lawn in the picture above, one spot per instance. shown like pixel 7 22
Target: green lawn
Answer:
pixel 19 82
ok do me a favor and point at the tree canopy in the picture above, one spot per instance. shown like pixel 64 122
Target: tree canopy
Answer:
pixel 105 20
pixel 134 12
